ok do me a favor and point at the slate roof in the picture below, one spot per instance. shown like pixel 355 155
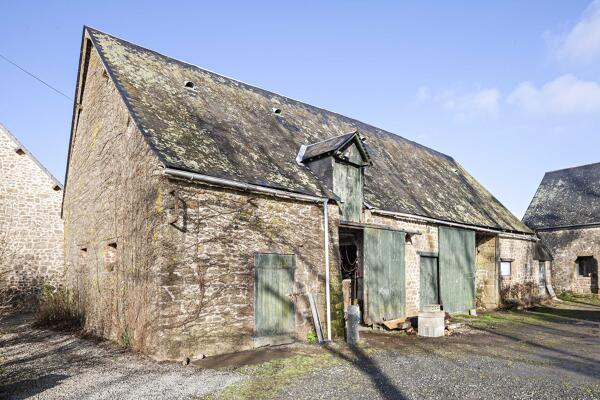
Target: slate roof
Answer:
pixel 567 197
pixel 228 129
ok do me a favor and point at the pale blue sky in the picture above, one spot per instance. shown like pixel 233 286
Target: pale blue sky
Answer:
pixel 509 89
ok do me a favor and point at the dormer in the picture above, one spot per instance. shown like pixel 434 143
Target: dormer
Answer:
pixel 339 162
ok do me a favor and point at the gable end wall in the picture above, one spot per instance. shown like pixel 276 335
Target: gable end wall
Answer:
pixel 111 213
pixel 31 231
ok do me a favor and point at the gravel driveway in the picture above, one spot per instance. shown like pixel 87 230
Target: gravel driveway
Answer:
pixel 551 353
pixel 44 364
pixel 536 355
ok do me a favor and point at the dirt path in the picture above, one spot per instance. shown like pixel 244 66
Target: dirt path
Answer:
pixel 43 364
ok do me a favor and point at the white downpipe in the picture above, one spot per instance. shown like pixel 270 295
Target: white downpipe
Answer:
pixel 327 294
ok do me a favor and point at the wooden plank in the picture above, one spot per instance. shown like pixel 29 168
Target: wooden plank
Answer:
pixel 274 312
pixel 394 323
pixel 457 269
pixel 384 274
pixel 315 315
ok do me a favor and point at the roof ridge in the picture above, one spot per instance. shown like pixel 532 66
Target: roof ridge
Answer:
pixel 331 138
pixel 575 167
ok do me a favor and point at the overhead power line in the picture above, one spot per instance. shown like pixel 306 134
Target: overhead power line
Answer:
pixel 35 77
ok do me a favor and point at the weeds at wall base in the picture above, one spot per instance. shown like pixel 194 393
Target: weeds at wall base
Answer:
pixel 58 309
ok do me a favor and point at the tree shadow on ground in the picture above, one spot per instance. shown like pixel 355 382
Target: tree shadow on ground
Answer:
pixel 367 366
pixel 588 315
pixel 558 357
pixel 30 387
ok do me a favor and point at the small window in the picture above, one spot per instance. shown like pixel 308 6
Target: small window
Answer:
pixel 586 266
pixel 506 268
pixel 110 256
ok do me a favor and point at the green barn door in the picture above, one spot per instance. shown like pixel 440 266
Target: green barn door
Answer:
pixel 274 314
pixel 429 286
pixel 457 269
pixel 542 278
pixel 384 275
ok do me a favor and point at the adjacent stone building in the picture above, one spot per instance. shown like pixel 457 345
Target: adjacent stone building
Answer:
pixel 31 232
pixel 201 213
pixel 565 212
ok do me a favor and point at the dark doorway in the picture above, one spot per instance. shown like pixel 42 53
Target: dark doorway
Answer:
pixel 587 267
pixel 351 257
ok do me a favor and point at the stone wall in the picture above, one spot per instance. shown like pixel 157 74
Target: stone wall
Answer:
pixel 524 280
pixel 31 231
pixel 566 246
pixel 112 209
pixel 207 272
pixel 486 272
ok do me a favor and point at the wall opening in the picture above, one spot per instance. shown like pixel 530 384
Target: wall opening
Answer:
pixel 351 266
pixel 587 268
pixel 110 256
pixel 20 151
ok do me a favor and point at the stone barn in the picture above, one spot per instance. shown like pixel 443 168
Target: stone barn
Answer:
pixel 202 214
pixel 565 213
pixel 31 231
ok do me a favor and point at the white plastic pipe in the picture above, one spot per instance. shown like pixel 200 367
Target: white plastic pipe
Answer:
pixel 327 293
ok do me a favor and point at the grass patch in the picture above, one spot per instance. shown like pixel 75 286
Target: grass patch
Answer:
pixel 589 299
pixel 267 378
pixel 508 317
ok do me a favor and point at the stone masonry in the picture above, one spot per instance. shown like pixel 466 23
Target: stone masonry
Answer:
pixel 166 265
pixel 111 213
pixel 31 232
pixel 207 272
pixel 566 245
pixel 524 279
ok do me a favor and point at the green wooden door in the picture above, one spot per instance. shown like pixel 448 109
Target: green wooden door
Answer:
pixel 542 278
pixel 348 185
pixel 457 269
pixel 384 275
pixel 274 313
pixel 429 287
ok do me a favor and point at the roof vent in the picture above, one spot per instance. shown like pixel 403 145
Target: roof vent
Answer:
pixel 189 84
pixel 20 151
pixel 277 110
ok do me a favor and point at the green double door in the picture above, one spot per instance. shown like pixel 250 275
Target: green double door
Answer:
pixel 274 313
pixel 384 275
pixel 457 269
